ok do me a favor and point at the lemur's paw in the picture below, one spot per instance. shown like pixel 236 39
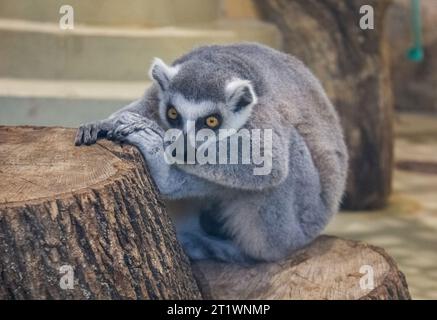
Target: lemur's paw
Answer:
pixel 130 122
pixel 193 246
pixel 88 133
pixel 122 131
pixel 147 140
pixel 128 117
pixel 200 247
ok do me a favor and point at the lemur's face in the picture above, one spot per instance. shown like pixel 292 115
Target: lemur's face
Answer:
pixel 228 108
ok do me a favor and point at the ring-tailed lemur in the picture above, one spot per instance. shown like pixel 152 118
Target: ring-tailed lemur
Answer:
pixel 236 215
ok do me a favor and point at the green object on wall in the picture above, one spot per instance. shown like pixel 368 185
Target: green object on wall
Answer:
pixel 416 52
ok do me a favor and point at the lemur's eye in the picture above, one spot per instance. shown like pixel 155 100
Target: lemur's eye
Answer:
pixel 172 113
pixel 212 122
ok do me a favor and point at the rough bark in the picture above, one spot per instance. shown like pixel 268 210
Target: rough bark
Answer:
pixel 93 208
pixel 353 66
pixel 330 268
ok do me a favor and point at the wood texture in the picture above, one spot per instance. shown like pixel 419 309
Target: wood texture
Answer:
pixel 93 208
pixel 327 269
pixel 353 67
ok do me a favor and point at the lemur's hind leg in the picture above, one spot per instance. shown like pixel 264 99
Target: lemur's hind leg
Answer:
pixel 271 224
pixel 200 245
pixel 212 222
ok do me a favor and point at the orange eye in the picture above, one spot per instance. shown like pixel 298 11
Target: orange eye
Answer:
pixel 172 113
pixel 212 121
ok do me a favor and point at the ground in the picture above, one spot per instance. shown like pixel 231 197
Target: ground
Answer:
pixel 407 228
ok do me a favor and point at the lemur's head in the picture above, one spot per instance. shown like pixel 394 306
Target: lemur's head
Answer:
pixel 198 94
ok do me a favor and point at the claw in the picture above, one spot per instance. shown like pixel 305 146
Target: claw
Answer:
pixel 79 135
pixel 94 133
pixel 87 135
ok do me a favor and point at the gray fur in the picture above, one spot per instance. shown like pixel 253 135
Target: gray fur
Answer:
pixel 263 217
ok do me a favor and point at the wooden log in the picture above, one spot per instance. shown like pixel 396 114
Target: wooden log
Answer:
pixel 329 268
pixel 353 67
pixel 93 209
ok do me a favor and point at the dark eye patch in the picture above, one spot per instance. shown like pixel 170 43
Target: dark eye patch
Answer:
pixel 173 122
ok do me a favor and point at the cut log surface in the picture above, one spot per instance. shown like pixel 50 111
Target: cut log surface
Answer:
pixel 93 209
pixel 330 268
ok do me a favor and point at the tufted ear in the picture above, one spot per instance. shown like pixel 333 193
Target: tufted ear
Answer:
pixel 240 94
pixel 162 73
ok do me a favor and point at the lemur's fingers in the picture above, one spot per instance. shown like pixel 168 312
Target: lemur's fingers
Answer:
pixel 138 121
pixel 87 134
pixel 124 130
pixel 129 118
pixel 121 132
pixel 79 136
pixel 94 132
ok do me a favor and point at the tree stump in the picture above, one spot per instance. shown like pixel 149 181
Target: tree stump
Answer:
pixel 89 212
pixel 95 210
pixel 353 66
pixel 329 268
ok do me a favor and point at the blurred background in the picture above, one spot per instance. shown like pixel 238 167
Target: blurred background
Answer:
pixel 382 80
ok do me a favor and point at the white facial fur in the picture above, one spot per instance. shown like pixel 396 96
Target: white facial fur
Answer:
pixel 192 110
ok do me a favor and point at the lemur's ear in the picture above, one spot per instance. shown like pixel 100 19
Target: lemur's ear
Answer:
pixel 240 94
pixel 162 73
